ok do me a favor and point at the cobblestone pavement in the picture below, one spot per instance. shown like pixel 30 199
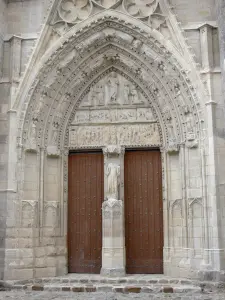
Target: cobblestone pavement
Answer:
pixel 25 295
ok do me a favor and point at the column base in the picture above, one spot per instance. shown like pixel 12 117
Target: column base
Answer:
pixel 113 272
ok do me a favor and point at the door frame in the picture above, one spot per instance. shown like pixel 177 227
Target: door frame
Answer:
pixel 164 155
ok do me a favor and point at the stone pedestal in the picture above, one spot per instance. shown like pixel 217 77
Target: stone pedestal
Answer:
pixel 113 248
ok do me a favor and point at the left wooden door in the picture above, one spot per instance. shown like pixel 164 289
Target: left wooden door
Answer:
pixel 85 196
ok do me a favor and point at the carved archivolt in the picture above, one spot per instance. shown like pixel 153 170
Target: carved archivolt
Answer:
pixel 75 74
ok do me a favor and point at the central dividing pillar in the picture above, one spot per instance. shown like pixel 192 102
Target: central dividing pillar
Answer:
pixel 113 238
pixel 113 252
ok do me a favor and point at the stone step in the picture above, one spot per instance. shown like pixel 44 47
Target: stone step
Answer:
pixel 128 284
pixel 117 288
pixel 98 279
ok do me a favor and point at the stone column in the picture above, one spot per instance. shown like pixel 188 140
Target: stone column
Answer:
pixel 221 17
pixel 113 244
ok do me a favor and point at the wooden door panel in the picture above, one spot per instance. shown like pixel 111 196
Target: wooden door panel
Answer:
pixel 143 212
pixel 86 193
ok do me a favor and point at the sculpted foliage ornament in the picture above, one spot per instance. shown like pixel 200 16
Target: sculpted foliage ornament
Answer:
pixel 107 3
pixel 73 11
pixel 140 8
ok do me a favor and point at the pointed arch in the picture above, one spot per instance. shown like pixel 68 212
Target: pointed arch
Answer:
pixel 143 54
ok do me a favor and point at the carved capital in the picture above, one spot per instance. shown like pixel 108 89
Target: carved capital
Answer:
pixel 173 147
pixel 113 150
pixel 53 151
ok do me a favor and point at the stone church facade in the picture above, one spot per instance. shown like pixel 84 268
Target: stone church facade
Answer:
pixel 111 77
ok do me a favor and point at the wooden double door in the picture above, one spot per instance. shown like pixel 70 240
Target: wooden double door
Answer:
pixel 143 212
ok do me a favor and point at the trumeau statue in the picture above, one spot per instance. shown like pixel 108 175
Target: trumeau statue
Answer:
pixel 113 172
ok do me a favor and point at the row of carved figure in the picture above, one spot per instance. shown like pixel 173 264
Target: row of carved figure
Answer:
pixel 113 115
pixel 113 91
pixel 147 134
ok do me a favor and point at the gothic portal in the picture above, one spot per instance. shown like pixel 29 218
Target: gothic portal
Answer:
pixel 115 143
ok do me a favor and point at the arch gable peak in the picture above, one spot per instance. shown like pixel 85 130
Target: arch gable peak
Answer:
pixel 82 31
pixel 135 41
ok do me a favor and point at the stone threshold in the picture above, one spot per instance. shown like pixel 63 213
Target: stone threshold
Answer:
pixel 81 283
pixel 125 289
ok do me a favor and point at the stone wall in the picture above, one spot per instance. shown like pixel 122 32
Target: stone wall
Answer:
pixel 4 91
pixel 37 106
pixel 220 15
pixel 20 24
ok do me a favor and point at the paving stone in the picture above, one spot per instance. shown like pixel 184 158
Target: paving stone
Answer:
pixel 118 289
pixel 152 281
pixel 48 295
pixel 74 280
pixel 132 289
pixel 131 281
pixel 186 282
pixel 104 288
pixel 78 289
pixel 174 281
pixel 66 288
pixel 167 290
pixel 163 281
pixel 84 281
pixel 90 289
pixel 37 287
pixel 122 280
pixel 142 281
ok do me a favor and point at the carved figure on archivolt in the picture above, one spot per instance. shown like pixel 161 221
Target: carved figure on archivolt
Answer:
pixel 167 113
pixel 55 129
pixel 33 133
pixel 190 123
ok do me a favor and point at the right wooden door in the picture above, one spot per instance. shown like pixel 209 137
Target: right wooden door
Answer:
pixel 143 212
